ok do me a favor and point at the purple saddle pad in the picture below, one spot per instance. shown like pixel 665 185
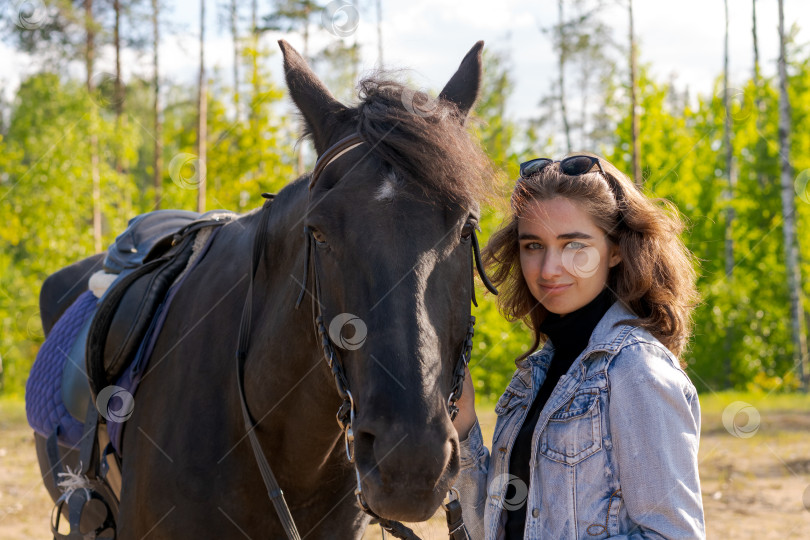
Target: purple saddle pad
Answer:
pixel 43 390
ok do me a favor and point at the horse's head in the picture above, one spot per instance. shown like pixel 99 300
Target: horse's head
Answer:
pixel 391 222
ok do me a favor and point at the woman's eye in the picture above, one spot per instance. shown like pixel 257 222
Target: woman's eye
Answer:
pixel 532 246
pixel 575 245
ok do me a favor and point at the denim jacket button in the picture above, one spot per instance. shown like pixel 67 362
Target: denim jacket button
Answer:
pixel 535 513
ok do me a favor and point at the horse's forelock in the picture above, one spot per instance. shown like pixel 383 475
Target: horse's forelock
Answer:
pixel 424 139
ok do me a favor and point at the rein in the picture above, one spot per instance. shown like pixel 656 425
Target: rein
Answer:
pixel 346 413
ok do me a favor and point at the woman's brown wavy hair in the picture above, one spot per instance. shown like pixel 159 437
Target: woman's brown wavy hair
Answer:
pixel 656 277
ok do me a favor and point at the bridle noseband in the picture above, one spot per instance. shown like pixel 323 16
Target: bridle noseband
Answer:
pixel 346 412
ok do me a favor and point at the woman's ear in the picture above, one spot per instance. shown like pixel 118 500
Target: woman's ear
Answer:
pixel 615 255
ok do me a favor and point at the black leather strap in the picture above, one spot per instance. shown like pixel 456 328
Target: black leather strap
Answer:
pixel 478 264
pixel 455 522
pixel 54 459
pixel 273 489
pixel 88 449
pixel 332 153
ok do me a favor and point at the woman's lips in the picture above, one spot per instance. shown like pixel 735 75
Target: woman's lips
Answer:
pixel 554 289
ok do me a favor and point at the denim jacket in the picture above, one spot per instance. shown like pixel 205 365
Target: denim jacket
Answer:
pixel 614 452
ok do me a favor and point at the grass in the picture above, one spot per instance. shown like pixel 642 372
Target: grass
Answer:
pixel 12 410
pixel 716 402
pixel 753 487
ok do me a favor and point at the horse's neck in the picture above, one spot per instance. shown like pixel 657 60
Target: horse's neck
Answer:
pixel 285 374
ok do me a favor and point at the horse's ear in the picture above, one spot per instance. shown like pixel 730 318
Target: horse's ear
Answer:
pixel 462 89
pixel 310 96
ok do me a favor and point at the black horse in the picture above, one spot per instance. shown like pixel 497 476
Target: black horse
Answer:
pixel 384 233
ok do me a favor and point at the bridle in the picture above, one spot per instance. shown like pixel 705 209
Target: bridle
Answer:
pixel 346 411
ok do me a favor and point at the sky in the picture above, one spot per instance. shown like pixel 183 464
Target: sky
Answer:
pixel 681 39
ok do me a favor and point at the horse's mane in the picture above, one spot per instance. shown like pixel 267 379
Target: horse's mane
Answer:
pixel 423 138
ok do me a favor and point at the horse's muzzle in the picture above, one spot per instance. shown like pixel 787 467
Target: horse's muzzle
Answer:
pixel 406 473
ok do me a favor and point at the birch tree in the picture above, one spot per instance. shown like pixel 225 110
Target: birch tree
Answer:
pixel 728 196
pixel 635 121
pixel 157 165
pixel 794 278
pixel 202 112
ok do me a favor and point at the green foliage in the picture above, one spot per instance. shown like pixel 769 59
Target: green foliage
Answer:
pixel 498 342
pixel 46 188
pixel 46 195
pixel 743 316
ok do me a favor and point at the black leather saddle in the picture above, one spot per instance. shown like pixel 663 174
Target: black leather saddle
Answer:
pixel 148 256
pixel 144 234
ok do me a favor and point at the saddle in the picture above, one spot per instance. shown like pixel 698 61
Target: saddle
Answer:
pixel 102 339
pixel 149 256
pixel 145 236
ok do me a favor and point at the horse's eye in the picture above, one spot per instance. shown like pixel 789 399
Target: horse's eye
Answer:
pixel 319 237
pixel 467 230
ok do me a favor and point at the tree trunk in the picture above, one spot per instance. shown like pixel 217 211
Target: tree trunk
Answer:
pixel 756 43
pixel 119 89
pixel 759 106
pixel 794 278
pixel 254 58
pixel 561 80
pixel 584 94
pixel 728 198
pixel 202 129
pixel 299 148
pixel 235 36
pixel 380 62
pixel 635 121
pixel 89 59
pixel 355 48
pixel 157 175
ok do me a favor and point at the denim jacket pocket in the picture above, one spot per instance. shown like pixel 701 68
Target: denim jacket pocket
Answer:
pixel 516 394
pixel 574 431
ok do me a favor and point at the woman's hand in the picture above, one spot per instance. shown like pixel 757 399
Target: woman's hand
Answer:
pixel 465 419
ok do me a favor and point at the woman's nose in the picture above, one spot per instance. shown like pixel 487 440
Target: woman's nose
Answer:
pixel 551 266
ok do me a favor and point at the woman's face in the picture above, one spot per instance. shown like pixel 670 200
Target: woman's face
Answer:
pixel 564 256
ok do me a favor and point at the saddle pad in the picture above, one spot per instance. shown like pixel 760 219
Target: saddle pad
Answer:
pixel 43 391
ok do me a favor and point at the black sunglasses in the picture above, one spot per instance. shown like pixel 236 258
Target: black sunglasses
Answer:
pixel 571 166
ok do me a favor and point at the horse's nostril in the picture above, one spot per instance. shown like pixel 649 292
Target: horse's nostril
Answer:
pixel 364 445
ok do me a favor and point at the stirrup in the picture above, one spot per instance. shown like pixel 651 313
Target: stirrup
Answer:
pixel 75 502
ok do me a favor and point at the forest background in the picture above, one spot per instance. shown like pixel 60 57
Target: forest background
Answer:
pixel 82 154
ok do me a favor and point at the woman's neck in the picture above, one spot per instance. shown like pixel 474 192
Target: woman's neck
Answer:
pixel 570 333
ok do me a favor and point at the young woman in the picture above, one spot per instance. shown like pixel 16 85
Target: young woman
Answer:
pixel 597 433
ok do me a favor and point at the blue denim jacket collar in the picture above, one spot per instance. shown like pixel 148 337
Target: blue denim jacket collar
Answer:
pixel 606 337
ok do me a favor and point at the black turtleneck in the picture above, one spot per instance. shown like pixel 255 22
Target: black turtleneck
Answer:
pixel 569 334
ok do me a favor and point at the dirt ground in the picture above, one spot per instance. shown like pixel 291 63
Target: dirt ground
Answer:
pixel 753 487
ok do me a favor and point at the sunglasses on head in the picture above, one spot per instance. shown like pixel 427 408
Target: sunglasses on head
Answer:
pixel 571 166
